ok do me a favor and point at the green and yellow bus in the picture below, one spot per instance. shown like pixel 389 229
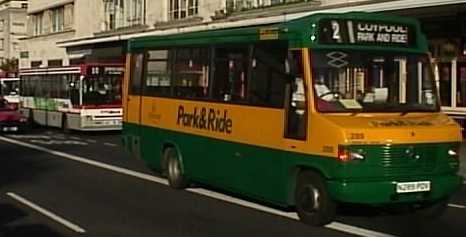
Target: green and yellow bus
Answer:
pixel 307 113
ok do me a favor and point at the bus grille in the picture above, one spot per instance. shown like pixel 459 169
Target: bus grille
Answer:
pixel 406 160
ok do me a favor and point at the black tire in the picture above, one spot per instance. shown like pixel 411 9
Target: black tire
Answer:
pixel 433 211
pixel 313 203
pixel 175 175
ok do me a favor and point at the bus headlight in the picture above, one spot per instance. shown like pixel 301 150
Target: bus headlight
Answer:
pixel 345 155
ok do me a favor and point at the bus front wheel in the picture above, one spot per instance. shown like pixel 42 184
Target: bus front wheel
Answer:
pixel 175 175
pixel 313 203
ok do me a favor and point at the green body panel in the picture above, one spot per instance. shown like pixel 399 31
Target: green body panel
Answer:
pixel 270 174
pixel 383 191
pixel 296 32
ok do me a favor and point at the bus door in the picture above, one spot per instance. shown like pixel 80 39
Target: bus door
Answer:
pixel 132 103
pixel 296 104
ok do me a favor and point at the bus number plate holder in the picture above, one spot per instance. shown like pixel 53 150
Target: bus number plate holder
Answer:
pixel 411 187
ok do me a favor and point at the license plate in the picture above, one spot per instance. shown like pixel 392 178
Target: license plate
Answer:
pixel 411 187
pixel 10 129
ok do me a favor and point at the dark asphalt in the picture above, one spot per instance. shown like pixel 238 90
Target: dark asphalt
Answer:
pixel 106 203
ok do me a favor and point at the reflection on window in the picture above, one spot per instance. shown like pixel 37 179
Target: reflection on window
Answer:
pixel 191 73
pixel 51 86
pixel 9 87
pixel 444 70
pixel 269 75
pixel 231 71
pixel 157 81
pixel 136 70
pixel 461 85
pixel 373 82
pixel 102 90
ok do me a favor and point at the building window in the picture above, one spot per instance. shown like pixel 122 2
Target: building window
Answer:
pixel 55 63
pixel 241 5
pixel 36 64
pixel 24 5
pixel 2 24
pixel 123 13
pixel 16 46
pixel 180 9
pixel 37 20
pixel 2 41
pixel 57 19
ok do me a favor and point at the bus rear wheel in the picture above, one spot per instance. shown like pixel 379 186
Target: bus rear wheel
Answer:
pixel 313 203
pixel 175 175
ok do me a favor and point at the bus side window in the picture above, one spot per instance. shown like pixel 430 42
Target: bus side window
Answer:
pixel 231 73
pixel 191 73
pixel 158 81
pixel 296 122
pixel 268 74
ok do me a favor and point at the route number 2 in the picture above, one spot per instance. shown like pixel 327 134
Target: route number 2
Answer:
pixel 336 30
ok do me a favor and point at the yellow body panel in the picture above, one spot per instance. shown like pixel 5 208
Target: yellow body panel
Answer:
pixel 265 127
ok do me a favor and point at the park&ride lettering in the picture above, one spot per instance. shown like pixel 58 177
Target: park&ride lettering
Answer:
pixel 205 119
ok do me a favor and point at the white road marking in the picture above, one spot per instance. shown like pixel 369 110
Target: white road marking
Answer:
pixel 57 142
pixel 335 225
pixel 89 162
pixel 91 141
pixel 47 213
pixel 29 136
pixel 457 206
pixel 110 144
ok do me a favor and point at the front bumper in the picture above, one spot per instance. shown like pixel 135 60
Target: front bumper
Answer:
pixel 11 126
pixel 384 192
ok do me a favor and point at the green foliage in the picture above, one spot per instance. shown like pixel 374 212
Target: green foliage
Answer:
pixel 10 65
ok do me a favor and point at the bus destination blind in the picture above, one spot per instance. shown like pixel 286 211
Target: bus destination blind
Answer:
pixel 364 33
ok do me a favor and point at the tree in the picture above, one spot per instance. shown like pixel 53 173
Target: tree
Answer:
pixel 9 65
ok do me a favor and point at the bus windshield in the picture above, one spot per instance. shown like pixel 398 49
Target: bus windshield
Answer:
pixel 102 90
pixel 358 81
pixel 9 87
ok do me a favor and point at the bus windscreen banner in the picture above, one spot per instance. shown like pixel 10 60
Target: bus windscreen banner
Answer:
pixel 365 33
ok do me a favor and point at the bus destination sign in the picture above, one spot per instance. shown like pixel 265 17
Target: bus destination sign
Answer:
pixel 364 33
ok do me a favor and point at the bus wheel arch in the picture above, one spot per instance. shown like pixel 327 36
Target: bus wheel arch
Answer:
pixel 312 200
pixel 172 165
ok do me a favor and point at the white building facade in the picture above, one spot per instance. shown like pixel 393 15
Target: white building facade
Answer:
pixel 51 21
pixel 12 27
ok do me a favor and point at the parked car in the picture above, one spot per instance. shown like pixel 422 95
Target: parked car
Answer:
pixel 10 119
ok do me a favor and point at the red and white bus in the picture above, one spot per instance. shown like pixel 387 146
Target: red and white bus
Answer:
pixel 86 97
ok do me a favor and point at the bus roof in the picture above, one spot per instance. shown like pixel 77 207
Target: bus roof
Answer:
pixel 302 32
